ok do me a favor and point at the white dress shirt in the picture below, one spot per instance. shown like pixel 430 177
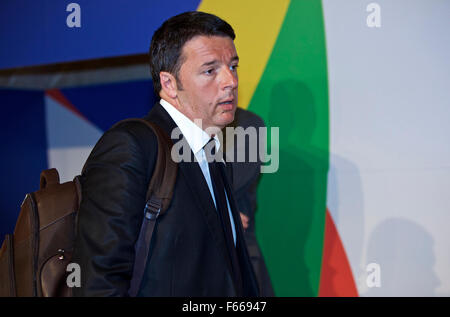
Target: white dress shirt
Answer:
pixel 197 139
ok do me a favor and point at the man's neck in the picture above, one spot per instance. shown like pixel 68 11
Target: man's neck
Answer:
pixel 191 130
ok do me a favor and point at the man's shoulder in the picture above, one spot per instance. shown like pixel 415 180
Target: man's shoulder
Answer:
pixel 127 137
pixel 130 131
pixel 245 118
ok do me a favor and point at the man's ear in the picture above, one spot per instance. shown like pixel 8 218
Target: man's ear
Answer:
pixel 168 84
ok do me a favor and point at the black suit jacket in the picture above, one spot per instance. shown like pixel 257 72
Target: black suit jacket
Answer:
pixel 188 255
pixel 246 177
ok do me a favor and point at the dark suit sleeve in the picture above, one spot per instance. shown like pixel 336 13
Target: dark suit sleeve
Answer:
pixel 114 183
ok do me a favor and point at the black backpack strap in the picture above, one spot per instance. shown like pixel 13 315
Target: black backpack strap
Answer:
pixel 159 195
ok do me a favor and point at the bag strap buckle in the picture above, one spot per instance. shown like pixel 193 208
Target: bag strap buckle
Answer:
pixel 152 208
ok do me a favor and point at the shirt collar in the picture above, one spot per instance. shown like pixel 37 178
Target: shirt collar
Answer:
pixel 195 136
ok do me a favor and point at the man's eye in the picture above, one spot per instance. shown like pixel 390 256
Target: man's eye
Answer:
pixel 233 67
pixel 209 71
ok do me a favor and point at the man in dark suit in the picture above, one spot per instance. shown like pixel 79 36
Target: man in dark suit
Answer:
pixel 246 174
pixel 193 63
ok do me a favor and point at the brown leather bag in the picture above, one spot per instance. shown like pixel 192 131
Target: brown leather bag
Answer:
pixel 34 259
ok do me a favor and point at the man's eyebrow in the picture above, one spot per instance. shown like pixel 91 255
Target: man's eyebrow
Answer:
pixel 210 63
pixel 235 58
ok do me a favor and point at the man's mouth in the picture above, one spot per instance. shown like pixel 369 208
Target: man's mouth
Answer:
pixel 227 104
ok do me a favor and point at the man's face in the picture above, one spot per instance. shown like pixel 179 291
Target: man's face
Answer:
pixel 209 80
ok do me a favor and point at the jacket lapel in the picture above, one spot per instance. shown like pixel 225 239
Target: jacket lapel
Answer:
pixel 200 191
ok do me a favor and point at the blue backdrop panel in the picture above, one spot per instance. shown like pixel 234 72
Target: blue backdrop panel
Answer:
pixel 36 32
pixel 24 151
pixel 104 105
pixel 25 145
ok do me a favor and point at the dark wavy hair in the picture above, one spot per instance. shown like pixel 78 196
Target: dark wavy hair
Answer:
pixel 167 42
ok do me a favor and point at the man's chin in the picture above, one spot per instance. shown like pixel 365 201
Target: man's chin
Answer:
pixel 227 117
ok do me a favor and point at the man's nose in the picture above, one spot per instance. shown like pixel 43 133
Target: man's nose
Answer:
pixel 229 79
